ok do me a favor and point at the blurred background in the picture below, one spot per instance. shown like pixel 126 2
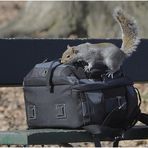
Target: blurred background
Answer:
pixel 63 19
pixel 75 19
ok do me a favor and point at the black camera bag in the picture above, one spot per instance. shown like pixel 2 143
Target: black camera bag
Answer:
pixel 61 96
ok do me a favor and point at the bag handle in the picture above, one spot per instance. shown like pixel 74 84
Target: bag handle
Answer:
pixel 50 74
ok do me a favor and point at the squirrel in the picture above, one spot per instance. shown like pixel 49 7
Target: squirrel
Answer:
pixel 107 53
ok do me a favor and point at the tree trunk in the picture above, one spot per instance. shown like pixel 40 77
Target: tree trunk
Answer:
pixel 84 19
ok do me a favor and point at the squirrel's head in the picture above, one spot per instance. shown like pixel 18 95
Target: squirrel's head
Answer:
pixel 69 56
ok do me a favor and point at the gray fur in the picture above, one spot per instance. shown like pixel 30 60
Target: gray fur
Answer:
pixel 130 31
pixel 107 53
pixel 111 55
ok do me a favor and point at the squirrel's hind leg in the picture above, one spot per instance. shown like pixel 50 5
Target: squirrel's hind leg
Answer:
pixel 113 66
pixel 110 73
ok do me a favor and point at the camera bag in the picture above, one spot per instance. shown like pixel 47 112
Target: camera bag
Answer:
pixel 62 96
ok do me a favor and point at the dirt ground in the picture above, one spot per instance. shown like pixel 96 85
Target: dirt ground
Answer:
pixel 12 110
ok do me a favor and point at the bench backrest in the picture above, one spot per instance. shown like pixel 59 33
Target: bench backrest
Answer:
pixel 18 56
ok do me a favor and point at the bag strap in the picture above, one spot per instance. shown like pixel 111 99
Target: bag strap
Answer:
pixel 96 141
pixel 50 74
pixel 143 118
pixel 136 114
pixel 95 130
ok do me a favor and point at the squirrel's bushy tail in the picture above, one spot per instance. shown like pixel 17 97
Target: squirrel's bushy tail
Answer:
pixel 129 28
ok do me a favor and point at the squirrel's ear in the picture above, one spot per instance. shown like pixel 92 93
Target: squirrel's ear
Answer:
pixel 68 46
pixel 74 50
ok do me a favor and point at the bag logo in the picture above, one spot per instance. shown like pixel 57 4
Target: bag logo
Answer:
pixel 60 111
pixel 31 112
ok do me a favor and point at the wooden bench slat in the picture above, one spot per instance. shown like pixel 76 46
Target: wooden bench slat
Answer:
pixel 58 136
pixel 13 137
pixel 136 133
pixel 43 136
pixel 18 56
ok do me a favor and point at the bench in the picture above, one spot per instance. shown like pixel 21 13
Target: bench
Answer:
pixel 17 58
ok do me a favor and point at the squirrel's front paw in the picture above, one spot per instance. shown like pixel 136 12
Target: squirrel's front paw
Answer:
pixel 86 68
pixel 110 73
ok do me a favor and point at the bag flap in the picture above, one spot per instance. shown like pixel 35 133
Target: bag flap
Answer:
pixel 62 74
pixel 39 74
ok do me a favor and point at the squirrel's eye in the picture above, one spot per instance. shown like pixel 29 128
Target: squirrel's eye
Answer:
pixel 68 56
